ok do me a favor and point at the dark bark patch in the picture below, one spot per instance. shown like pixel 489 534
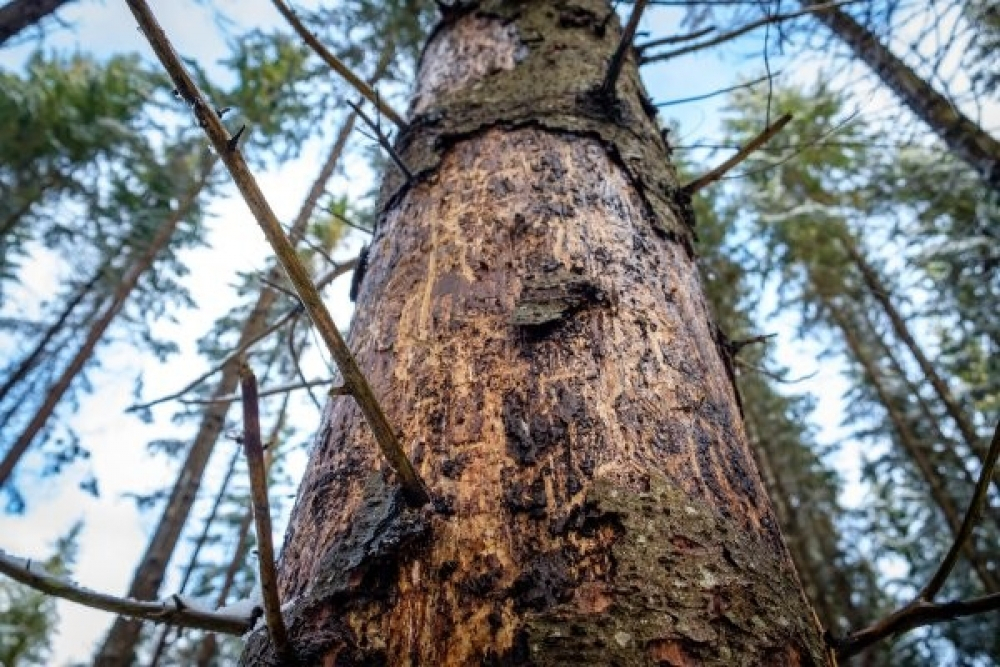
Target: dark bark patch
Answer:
pixel 545 581
pixel 485 577
pixel 364 559
pixel 527 498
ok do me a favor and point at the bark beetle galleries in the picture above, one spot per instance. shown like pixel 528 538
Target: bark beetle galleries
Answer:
pixel 532 321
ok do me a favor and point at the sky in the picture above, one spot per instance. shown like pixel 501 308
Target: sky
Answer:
pixel 115 531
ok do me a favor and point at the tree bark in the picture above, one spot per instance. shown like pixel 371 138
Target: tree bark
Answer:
pixel 96 332
pixel 119 646
pixel 532 321
pixel 17 15
pixel 966 139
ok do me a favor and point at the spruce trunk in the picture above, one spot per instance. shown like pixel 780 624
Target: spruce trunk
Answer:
pixel 966 139
pixel 533 323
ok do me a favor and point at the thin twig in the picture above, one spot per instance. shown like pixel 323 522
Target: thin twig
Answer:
pixel 173 611
pixel 674 39
pixel 413 487
pixel 254 449
pixel 235 354
pixel 736 346
pixel 273 391
pixel 350 223
pixel 972 516
pixel 772 375
pixel 382 140
pixel 711 177
pixel 618 59
pixel 294 353
pixel 733 34
pixel 721 91
pixel 337 271
pixel 336 64
pixel 923 610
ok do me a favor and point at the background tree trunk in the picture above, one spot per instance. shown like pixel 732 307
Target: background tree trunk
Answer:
pixel 119 646
pixel 17 15
pixel 964 138
pixel 533 322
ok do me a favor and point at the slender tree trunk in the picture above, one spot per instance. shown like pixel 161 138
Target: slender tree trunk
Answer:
pixel 164 635
pixel 119 646
pixel 966 139
pixel 914 449
pixel 954 461
pixel 881 294
pixel 17 15
pixel 533 323
pixel 24 367
pixel 96 332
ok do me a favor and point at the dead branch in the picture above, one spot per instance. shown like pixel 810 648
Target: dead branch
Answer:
pixel 336 64
pixel 273 391
pixel 338 270
pixel 173 611
pixel 923 610
pixel 607 89
pixel 738 32
pixel 766 135
pixel 674 39
pixel 254 449
pixel 382 140
pixel 413 487
pixel 721 91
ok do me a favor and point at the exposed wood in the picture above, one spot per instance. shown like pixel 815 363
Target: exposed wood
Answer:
pixel 532 317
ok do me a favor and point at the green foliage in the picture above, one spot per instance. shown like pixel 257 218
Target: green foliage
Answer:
pixel 829 183
pixel 28 617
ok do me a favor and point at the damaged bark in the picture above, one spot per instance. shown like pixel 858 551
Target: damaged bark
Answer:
pixel 531 319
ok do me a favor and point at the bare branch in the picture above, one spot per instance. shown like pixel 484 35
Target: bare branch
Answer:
pixel 915 615
pixel 338 270
pixel 923 610
pixel 382 140
pixel 273 391
pixel 173 611
pixel 414 489
pixel 239 351
pixel 766 135
pixel 336 64
pixel 972 516
pixel 721 91
pixel 293 351
pixel 738 32
pixel 618 59
pixel 254 450
pixel 674 39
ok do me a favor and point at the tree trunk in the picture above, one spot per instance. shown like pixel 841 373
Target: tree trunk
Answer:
pixel 533 323
pixel 119 646
pixel 96 332
pixel 881 294
pixel 19 372
pixel 964 138
pixel 914 449
pixel 17 15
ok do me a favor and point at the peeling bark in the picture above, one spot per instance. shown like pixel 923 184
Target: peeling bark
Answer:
pixel 532 321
